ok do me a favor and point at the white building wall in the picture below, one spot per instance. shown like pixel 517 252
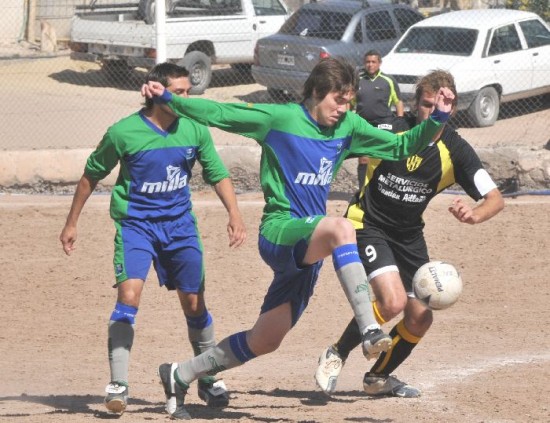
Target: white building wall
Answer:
pixel 12 21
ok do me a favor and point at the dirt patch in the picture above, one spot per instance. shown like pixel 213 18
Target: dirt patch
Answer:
pixel 486 359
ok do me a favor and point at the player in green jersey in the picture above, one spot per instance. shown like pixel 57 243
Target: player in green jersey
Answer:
pixel 154 220
pixel 303 146
pixel 387 215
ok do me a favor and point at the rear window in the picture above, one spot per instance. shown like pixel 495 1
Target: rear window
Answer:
pixel 453 41
pixel 317 23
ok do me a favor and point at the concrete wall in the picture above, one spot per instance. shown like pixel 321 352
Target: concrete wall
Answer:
pixel 12 24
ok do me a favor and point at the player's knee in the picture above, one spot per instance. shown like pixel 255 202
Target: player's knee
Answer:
pixel 129 297
pixel 191 304
pixel 419 323
pixel 343 231
pixel 391 306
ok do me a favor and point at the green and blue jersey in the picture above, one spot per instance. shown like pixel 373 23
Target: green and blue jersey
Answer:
pixel 299 157
pixel 155 166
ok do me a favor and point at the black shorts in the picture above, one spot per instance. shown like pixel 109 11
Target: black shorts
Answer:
pixel 382 250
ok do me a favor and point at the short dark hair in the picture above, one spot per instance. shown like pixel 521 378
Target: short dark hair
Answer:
pixel 162 72
pixel 373 53
pixel 330 74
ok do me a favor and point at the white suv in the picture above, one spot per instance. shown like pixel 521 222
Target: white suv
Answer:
pixel 495 55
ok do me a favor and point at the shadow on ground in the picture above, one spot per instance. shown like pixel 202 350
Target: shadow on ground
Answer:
pixel 132 79
pixel 93 405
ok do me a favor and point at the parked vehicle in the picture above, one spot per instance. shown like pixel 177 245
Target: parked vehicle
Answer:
pixel 495 55
pixel 199 33
pixel 342 28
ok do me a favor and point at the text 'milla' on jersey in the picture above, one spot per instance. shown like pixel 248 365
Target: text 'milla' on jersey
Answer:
pixel 396 194
pixel 155 166
pixel 299 157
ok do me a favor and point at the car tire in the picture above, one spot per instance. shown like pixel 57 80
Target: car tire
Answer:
pixel 485 108
pixel 199 66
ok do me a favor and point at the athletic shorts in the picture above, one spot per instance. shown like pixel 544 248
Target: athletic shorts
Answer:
pixel 283 245
pixel 383 251
pixel 173 245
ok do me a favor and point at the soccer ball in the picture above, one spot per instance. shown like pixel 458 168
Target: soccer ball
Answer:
pixel 437 284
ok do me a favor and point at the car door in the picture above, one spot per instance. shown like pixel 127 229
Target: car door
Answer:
pixel 380 31
pixel 510 62
pixel 537 37
pixel 269 16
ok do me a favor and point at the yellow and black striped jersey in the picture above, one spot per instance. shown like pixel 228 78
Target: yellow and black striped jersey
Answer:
pixel 396 193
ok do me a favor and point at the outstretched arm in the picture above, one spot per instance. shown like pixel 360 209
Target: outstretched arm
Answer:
pixel 247 119
pixel 235 227
pixel 381 144
pixel 68 236
pixel 492 204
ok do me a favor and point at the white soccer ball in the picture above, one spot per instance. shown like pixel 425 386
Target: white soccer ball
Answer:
pixel 437 284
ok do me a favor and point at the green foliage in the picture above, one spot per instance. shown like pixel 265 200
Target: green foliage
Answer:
pixel 540 7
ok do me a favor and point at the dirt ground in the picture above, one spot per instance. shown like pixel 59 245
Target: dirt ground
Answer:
pixel 486 359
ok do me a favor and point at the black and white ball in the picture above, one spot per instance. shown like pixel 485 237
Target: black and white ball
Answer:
pixel 437 284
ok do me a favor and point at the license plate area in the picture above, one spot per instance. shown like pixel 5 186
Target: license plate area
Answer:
pixel 285 60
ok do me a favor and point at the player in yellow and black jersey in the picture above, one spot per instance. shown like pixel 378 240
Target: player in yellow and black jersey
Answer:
pixel 387 215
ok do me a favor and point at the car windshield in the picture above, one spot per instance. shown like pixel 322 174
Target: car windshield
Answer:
pixel 317 23
pixel 450 41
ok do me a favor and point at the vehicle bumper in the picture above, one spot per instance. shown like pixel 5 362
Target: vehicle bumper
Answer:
pixel 135 62
pixel 290 81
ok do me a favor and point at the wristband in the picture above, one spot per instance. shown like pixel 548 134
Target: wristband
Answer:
pixel 440 116
pixel 166 97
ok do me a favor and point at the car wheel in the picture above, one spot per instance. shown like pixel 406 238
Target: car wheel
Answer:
pixel 484 109
pixel 199 66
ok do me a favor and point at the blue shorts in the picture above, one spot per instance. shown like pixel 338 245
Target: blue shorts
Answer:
pixel 292 282
pixel 173 245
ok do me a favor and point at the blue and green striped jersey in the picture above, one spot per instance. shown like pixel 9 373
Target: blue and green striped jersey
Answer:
pixel 300 158
pixel 155 166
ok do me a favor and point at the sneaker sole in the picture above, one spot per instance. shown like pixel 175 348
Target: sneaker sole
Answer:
pixel 331 386
pixel 212 401
pixel 394 395
pixel 383 345
pixel 116 406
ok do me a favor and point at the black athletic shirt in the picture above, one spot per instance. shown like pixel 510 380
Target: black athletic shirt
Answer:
pixel 395 194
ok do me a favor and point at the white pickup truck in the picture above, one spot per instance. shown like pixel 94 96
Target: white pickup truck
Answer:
pixel 199 33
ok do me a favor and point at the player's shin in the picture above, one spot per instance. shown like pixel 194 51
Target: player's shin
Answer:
pixel 229 353
pixel 403 344
pixel 353 279
pixel 201 332
pixel 121 338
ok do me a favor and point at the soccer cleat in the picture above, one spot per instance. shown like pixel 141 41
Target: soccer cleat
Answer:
pixel 377 385
pixel 375 342
pixel 330 366
pixel 175 394
pixel 213 392
pixel 117 397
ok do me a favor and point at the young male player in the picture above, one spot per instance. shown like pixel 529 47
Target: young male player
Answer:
pixel 387 215
pixel 154 221
pixel 303 146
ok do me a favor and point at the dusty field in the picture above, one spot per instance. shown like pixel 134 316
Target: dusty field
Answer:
pixel 485 360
